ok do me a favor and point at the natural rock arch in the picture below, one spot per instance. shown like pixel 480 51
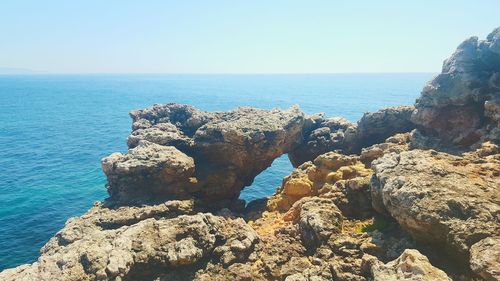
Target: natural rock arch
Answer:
pixel 177 151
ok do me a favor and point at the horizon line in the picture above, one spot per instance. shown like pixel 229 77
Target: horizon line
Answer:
pixel 34 73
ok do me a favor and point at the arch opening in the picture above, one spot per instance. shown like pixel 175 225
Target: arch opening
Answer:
pixel 265 184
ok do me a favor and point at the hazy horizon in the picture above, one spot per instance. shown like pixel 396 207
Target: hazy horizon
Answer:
pixel 21 71
pixel 227 37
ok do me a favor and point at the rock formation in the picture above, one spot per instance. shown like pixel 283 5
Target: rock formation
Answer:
pixel 322 135
pixel 446 200
pixel 337 134
pixel 410 263
pixel 179 152
pixel 461 105
pixel 367 201
pixel 377 126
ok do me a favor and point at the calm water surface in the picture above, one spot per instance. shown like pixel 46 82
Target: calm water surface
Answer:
pixel 55 129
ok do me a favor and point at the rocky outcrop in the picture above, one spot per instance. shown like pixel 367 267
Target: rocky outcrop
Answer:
pixel 397 143
pixel 342 178
pixel 149 172
pixel 411 265
pixel 326 204
pixel 137 244
pixel 173 212
pixel 178 151
pixel 337 134
pixel 485 258
pixel 377 126
pixel 460 106
pixel 449 201
pixel 318 219
pixel 322 135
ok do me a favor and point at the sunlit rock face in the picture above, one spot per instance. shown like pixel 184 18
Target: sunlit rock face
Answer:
pixel 448 201
pixel 461 106
pixel 177 151
pixel 337 216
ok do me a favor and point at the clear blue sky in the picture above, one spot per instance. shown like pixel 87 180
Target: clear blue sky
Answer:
pixel 229 36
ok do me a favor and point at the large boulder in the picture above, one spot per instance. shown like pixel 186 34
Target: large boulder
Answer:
pixel 449 201
pixel 177 151
pixel 147 172
pixel 460 106
pixel 375 127
pixel 485 258
pixel 410 266
pixel 318 219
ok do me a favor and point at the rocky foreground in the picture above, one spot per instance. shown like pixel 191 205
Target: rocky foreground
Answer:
pixel 407 193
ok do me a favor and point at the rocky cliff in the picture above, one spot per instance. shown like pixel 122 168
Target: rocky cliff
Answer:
pixel 407 193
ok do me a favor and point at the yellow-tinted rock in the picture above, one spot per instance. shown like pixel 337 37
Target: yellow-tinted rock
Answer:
pixel 298 187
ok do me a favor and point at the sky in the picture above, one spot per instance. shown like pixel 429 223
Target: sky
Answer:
pixel 228 36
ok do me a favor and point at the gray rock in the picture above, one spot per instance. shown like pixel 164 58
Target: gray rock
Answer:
pixel 377 126
pixel 319 218
pixel 452 106
pixel 337 134
pixel 178 151
pixel 148 172
pixel 323 135
pixel 448 201
pixel 132 243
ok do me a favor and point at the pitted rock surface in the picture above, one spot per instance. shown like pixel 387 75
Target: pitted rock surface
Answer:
pixel 137 243
pixel 410 266
pixel 336 217
pixel 337 134
pixel 445 200
pixel 178 151
pixel 460 106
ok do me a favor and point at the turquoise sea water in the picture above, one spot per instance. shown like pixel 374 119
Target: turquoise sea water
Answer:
pixel 55 129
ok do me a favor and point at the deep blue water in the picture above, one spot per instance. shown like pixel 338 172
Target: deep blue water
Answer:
pixel 55 129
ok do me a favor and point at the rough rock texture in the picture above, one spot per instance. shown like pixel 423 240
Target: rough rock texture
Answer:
pixel 342 178
pixel 318 219
pixel 485 258
pixel 320 203
pixel 337 134
pixel 460 106
pixel 449 201
pixel 149 171
pixel 336 217
pixel 323 135
pixel 396 143
pixel 411 265
pixel 377 126
pixel 137 244
pixel 228 149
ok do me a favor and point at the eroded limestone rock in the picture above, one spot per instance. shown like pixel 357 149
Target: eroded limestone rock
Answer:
pixel 149 172
pixel 337 134
pixel 449 201
pixel 375 127
pixel 178 151
pixel 322 135
pixel 318 219
pixel 485 258
pixel 137 243
pixel 343 179
pixel 411 265
pixel 458 106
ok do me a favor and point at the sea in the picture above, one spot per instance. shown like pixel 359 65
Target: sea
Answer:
pixel 54 129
